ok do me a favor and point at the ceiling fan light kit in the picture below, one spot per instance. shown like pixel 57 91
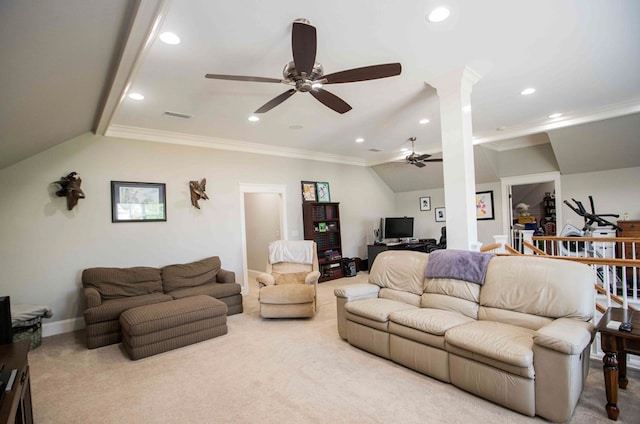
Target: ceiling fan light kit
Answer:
pixel 306 75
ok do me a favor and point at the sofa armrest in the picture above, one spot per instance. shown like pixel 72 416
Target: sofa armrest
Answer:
pixel 265 279
pixel 566 335
pixel 92 297
pixel 312 277
pixel 357 291
pixel 225 276
pixel 350 293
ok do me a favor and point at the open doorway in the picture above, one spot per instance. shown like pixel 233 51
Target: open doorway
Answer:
pixel 263 209
pixel 532 190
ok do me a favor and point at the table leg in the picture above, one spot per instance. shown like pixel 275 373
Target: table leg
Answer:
pixel 610 367
pixel 622 370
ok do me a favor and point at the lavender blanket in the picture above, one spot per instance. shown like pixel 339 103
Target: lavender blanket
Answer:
pixel 458 264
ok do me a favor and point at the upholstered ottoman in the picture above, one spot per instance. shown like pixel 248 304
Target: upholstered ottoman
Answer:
pixel 151 329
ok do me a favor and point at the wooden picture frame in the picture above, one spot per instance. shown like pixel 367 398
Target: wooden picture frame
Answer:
pixel 138 202
pixel 322 191
pixel 484 205
pixel 441 215
pixel 425 203
pixel 308 189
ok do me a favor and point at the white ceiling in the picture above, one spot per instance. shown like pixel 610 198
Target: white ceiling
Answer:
pixel 582 56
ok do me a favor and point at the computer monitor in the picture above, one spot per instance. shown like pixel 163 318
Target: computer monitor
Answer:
pixel 398 227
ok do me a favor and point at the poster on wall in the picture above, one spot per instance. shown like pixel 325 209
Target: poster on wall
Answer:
pixel 484 205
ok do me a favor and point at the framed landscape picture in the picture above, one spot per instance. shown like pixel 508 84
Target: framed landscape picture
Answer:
pixel 138 202
pixel 484 205
pixel 322 190
pixel 308 191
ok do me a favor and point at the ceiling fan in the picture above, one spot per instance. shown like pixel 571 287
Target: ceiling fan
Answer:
pixel 418 160
pixel 304 74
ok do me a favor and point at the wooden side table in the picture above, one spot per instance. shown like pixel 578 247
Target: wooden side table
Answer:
pixel 616 345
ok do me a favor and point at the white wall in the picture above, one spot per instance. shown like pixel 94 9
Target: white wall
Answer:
pixel 425 225
pixel 614 192
pixel 44 247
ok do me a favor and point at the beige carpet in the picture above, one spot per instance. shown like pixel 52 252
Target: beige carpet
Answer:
pixel 267 371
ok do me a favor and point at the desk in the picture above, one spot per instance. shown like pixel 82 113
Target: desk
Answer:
pixel 16 405
pixel 374 250
pixel 616 345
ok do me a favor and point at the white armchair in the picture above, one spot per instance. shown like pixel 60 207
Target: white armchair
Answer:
pixel 288 287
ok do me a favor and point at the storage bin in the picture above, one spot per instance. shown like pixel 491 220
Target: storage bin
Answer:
pixel 31 329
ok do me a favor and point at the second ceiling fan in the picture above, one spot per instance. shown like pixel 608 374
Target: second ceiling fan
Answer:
pixel 304 74
pixel 418 160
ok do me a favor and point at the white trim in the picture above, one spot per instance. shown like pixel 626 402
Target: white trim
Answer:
pixel 260 188
pixel 160 136
pixel 62 326
pixel 609 112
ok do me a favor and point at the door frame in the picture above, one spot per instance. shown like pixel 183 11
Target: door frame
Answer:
pixel 259 188
pixel 507 208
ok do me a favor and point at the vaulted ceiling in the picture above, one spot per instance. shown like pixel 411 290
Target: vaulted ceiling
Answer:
pixel 69 64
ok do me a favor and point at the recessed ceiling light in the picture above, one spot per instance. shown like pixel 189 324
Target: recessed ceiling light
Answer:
pixel 438 15
pixel 254 118
pixel 359 140
pixel 423 121
pixel 136 96
pixel 555 115
pixel 169 38
pixel 528 91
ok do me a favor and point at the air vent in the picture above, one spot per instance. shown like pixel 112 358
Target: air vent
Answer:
pixel 177 115
pixel 375 150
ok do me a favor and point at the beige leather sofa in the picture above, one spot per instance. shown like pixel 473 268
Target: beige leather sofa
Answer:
pixel 520 340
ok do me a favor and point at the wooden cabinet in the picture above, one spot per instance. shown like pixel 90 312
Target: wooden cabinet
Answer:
pixel 322 225
pixel 16 404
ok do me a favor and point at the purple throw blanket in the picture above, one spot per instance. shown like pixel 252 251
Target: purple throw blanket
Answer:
pixel 458 264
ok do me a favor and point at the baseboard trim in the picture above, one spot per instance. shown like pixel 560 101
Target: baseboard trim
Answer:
pixel 62 326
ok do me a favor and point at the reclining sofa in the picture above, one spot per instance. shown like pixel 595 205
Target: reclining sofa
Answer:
pixel 108 292
pixel 518 336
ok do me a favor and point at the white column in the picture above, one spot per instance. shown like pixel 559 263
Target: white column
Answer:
pixel 454 91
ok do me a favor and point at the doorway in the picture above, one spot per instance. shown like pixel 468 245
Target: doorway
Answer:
pixel 263 217
pixel 529 187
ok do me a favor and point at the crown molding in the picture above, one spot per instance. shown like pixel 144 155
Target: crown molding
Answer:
pixel 159 136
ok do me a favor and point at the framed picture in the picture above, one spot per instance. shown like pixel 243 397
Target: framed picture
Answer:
pixel 308 191
pixel 425 203
pixel 441 215
pixel 138 202
pixel 322 190
pixel 484 205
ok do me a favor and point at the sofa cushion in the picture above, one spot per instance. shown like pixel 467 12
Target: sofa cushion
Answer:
pixel 287 294
pixel 111 309
pixel 217 290
pixel 191 274
pixel 290 278
pixel 494 343
pixel 400 270
pixel 115 283
pixel 553 288
pixel 453 295
pixel 376 309
pixel 432 321
pixel 400 296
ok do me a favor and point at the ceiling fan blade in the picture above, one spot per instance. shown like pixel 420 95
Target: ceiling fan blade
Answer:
pixel 432 160
pixel 423 156
pixel 330 100
pixel 364 74
pixel 241 78
pixel 303 45
pixel 419 164
pixel 275 101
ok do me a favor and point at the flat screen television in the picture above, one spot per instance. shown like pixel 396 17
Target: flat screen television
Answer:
pixel 398 227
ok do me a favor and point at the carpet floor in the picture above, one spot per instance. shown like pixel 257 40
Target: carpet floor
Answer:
pixel 268 371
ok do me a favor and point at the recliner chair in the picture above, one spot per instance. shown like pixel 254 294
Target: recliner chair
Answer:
pixel 288 287
pixel 442 243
